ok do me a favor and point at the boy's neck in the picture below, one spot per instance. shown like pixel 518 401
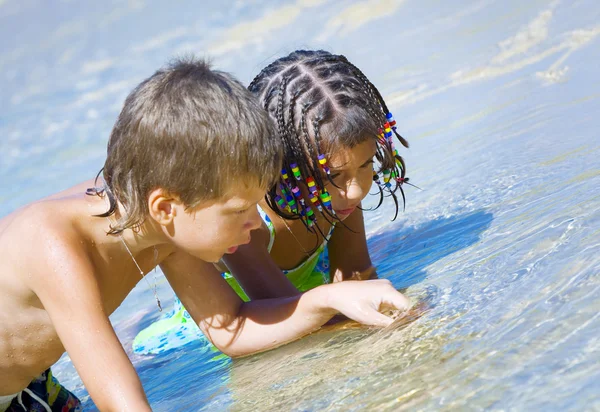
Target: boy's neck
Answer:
pixel 149 234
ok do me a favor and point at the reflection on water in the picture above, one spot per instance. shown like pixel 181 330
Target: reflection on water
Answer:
pixel 403 255
pixel 499 100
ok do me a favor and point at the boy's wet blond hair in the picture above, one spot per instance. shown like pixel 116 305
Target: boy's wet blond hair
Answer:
pixel 196 133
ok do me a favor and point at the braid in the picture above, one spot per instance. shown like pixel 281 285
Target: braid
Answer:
pixel 303 143
pixel 279 111
pixel 373 90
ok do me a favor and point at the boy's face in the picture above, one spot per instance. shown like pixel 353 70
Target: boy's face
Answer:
pixel 214 228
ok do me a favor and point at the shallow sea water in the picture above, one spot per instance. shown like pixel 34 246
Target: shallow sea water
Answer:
pixel 500 250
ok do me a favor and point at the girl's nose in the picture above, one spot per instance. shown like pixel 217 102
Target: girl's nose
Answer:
pixel 354 192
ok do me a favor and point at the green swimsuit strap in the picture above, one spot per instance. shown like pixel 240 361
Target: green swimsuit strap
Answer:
pixel 304 276
pixel 270 226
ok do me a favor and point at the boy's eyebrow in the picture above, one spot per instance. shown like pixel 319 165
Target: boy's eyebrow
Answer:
pixel 240 205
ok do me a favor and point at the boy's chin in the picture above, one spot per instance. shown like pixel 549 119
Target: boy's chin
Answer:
pixel 215 258
pixel 208 256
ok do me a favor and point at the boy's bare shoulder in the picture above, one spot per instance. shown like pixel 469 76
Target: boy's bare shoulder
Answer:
pixel 56 211
pixel 40 235
pixel 42 217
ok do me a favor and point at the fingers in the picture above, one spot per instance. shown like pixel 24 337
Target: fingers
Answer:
pixel 363 301
pixel 379 319
pixel 392 297
pixel 397 300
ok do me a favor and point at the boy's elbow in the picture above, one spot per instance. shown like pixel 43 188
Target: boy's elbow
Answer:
pixel 234 353
pixel 232 350
pixel 224 335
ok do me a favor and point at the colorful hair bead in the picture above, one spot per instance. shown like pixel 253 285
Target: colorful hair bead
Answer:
pixel 310 217
pixel 281 203
pixel 298 195
pixel 323 162
pixel 398 159
pixel 391 120
pixel 284 175
pixel 326 200
pixel 386 178
pixel 309 221
pixel 381 138
pixel 313 199
pixel 292 203
pixel 296 171
pixel 387 130
pixel 376 178
pixel 284 190
pixel 279 200
pixel 312 186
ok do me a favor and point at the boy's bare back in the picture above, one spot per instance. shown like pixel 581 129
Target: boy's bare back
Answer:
pixel 34 241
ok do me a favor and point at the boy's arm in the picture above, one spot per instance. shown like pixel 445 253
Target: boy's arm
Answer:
pixel 255 271
pixel 348 253
pixel 238 329
pixel 71 297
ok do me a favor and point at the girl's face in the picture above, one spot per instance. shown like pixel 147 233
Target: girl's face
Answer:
pixel 352 173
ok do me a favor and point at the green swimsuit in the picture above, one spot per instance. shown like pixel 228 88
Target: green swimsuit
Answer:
pixel 311 273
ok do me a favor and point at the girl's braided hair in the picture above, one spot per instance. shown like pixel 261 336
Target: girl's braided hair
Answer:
pixel 320 102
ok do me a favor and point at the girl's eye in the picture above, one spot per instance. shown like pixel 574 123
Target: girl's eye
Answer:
pixel 335 175
pixel 241 212
pixel 368 164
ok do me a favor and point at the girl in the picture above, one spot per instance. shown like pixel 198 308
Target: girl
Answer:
pixel 338 135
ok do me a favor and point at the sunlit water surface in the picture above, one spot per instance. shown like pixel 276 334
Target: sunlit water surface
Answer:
pixel 499 100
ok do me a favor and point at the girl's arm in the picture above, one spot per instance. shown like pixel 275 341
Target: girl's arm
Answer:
pixel 241 328
pixel 348 253
pixel 255 271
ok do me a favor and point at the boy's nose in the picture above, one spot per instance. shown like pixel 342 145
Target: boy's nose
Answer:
pixel 255 220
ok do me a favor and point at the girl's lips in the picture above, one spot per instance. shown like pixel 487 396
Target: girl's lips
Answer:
pixel 345 211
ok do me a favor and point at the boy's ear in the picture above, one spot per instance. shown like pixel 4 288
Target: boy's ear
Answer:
pixel 162 206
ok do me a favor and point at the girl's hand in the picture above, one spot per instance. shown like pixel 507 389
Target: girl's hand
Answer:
pixel 363 301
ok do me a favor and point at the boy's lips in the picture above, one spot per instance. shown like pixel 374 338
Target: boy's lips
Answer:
pixel 234 248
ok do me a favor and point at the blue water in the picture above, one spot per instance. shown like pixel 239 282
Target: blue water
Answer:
pixel 500 102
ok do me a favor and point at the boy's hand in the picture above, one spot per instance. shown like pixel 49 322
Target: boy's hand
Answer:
pixel 363 301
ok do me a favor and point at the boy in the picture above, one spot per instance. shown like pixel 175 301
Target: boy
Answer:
pixel 188 159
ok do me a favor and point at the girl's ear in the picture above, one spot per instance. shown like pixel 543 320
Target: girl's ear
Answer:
pixel 162 206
